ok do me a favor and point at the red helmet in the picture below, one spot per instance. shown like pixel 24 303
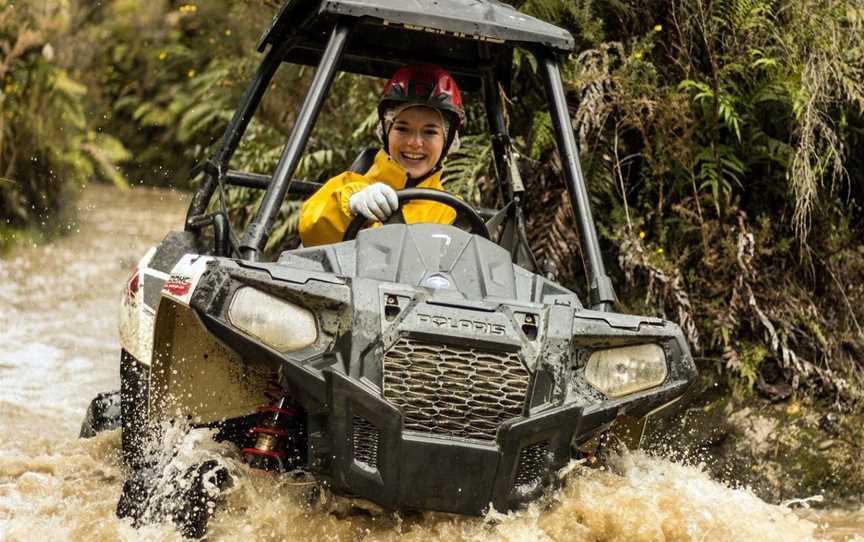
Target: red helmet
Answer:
pixel 428 85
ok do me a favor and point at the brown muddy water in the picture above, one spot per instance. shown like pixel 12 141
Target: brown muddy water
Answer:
pixel 59 347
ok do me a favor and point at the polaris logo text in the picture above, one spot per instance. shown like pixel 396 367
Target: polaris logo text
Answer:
pixel 462 324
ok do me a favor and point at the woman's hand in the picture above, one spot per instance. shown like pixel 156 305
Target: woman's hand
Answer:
pixel 375 202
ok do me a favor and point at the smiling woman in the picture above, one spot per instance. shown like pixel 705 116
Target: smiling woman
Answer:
pixel 416 140
pixel 420 113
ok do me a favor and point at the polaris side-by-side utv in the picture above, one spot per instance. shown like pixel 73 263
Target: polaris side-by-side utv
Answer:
pixel 418 366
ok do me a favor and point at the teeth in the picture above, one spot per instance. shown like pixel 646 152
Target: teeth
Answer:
pixel 413 156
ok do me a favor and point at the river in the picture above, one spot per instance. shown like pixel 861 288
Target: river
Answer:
pixel 59 347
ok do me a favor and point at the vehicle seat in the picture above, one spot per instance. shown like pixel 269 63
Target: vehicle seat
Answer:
pixel 364 160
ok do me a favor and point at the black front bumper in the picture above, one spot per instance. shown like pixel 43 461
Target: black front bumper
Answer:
pixel 418 471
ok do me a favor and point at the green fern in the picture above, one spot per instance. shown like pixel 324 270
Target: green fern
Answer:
pixel 542 135
pixel 468 171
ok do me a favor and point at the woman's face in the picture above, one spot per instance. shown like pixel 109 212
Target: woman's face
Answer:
pixel 416 140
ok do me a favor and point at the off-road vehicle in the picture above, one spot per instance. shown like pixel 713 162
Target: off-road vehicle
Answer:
pixel 419 366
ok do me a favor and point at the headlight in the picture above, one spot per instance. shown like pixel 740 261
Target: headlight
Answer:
pixel 624 370
pixel 279 324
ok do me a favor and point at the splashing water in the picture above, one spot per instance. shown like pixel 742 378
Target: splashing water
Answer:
pixel 58 348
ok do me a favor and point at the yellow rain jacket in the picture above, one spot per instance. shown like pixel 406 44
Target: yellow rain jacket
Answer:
pixel 325 216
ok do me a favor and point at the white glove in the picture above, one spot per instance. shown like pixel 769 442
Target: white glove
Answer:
pixel 376 202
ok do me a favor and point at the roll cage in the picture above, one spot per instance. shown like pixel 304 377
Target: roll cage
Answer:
pixel 473 40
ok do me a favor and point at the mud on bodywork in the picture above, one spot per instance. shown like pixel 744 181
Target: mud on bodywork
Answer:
pixel 447 398
pixel 143 291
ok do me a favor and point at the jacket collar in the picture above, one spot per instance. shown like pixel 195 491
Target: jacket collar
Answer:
pixel 387 170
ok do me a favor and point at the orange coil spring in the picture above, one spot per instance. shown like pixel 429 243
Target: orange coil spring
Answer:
pixel 279 426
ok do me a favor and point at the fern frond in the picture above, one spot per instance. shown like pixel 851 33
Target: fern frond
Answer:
pixel 553 238
pixel 468 170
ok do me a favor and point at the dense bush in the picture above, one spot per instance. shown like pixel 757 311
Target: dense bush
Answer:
pixel 167 75
pixel 717 140
pixel 48 147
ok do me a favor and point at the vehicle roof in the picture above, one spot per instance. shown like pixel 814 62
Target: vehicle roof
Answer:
pixel 465 36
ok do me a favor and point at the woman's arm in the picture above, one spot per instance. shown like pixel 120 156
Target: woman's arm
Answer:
pixel 325 216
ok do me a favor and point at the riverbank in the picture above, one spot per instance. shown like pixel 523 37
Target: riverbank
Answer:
pixel 784 451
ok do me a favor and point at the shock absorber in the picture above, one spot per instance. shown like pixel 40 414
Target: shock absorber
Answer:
pixel 279 437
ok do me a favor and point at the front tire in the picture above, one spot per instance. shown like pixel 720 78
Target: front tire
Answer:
pixel 134 397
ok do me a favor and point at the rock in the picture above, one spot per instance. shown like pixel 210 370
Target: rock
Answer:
pixel 825 444
pixel 830 424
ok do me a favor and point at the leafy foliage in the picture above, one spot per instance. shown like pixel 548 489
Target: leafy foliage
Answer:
pixel 48 149
pixel 169 76
pixel 715 137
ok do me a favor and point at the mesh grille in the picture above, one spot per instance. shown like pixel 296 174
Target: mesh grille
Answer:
pixel 532 462
pixel 365 438
pixel 453 390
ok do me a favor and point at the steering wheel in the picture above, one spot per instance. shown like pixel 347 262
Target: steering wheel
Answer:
pixel 475 222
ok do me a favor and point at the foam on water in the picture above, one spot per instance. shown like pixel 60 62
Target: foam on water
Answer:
pixel 68 490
